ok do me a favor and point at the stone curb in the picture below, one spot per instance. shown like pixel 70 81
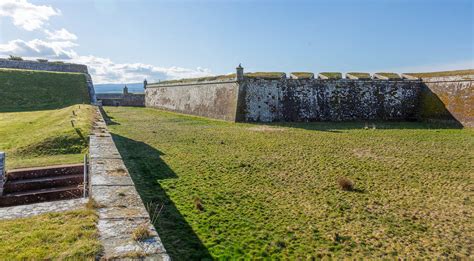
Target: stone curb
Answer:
pixel 119 206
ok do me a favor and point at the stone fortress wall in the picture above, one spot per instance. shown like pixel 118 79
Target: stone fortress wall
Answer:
pixel 216 99
pixel 261 99
pixel 51 66
pixel 122 99
pixel 448 98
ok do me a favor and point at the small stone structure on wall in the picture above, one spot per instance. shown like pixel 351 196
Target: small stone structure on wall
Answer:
pixel 122 99
pixel 53 67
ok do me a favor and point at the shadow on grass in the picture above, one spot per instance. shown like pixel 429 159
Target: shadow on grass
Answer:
pixel 147 168
pixel 338 127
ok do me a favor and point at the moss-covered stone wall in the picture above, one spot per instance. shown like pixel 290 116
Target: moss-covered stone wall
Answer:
pixel 448 98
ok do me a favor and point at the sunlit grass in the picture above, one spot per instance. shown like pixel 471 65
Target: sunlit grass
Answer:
pixel 47 137
pixel 68 235
pixel 271 191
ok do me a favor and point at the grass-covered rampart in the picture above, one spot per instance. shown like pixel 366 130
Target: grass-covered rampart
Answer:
pixel 25 90
pixel 46 137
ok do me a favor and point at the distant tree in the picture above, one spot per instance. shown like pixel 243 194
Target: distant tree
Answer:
pixel 15 58
pixel 42 60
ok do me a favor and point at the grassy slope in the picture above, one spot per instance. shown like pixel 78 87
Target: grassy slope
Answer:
pixel 23 90
pixel 67 235
pixel 443 74
pixel 272 191
pixel 45 137
pixel 332 75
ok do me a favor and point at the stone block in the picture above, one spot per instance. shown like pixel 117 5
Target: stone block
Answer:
pixel 117 239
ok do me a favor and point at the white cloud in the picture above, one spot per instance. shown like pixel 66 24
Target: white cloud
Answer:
pixel 61 35
pixel 39 48
pixel 104 70
pixel 26 15
pixel 60 44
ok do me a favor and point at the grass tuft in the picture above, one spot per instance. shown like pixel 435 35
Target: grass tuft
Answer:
pixel 345 184
pixel 198 204
pixel 141 232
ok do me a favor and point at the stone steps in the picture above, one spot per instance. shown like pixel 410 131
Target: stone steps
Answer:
pixel 43 183
pixel 41 195
pixel 33 185
pixel 30 173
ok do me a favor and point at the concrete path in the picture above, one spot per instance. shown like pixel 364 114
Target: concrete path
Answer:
pixel 41 208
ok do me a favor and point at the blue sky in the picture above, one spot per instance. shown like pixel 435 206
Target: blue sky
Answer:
pixel 125 41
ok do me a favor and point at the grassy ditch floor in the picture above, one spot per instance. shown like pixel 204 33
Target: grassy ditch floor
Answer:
pixel 271 191
pixel 68 235
pixel 48 137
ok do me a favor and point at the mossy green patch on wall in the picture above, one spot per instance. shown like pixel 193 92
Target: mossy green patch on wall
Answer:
pixel 24 90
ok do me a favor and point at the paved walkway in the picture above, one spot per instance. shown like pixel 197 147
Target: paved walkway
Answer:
pixel 120 208
pixel 41 208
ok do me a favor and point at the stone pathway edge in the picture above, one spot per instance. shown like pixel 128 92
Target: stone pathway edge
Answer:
pixel 119 206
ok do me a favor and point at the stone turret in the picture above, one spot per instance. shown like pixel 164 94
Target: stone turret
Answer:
pixel 125 90
pixel 240 73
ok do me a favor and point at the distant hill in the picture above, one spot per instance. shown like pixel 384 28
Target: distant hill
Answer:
pixel 25 90
pixel 114 88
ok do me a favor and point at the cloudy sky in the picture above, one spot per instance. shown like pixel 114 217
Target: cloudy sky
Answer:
pixel 126 41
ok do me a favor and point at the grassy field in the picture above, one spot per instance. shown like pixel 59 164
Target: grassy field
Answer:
pixel 46 137
pixel 24 90
pixel 59 236
pixel 271 191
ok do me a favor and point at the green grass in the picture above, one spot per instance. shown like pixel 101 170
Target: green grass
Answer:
pixel 266 75
pixel 45 137
pixel 303 75
pixel 332 75
pixel 68 235
pixel 24 90
pixel 389 75
pixel 443 74
pixel 200 79
pixel 270 191
pixel 360 75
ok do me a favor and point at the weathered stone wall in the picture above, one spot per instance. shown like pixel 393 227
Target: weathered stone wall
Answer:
pixel 448 98
pixel 327 100
pixel 43 66
pixel 217 99
pixel 129 99
pixel 267 100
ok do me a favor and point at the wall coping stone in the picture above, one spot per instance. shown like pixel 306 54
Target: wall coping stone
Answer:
pixel 119 205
